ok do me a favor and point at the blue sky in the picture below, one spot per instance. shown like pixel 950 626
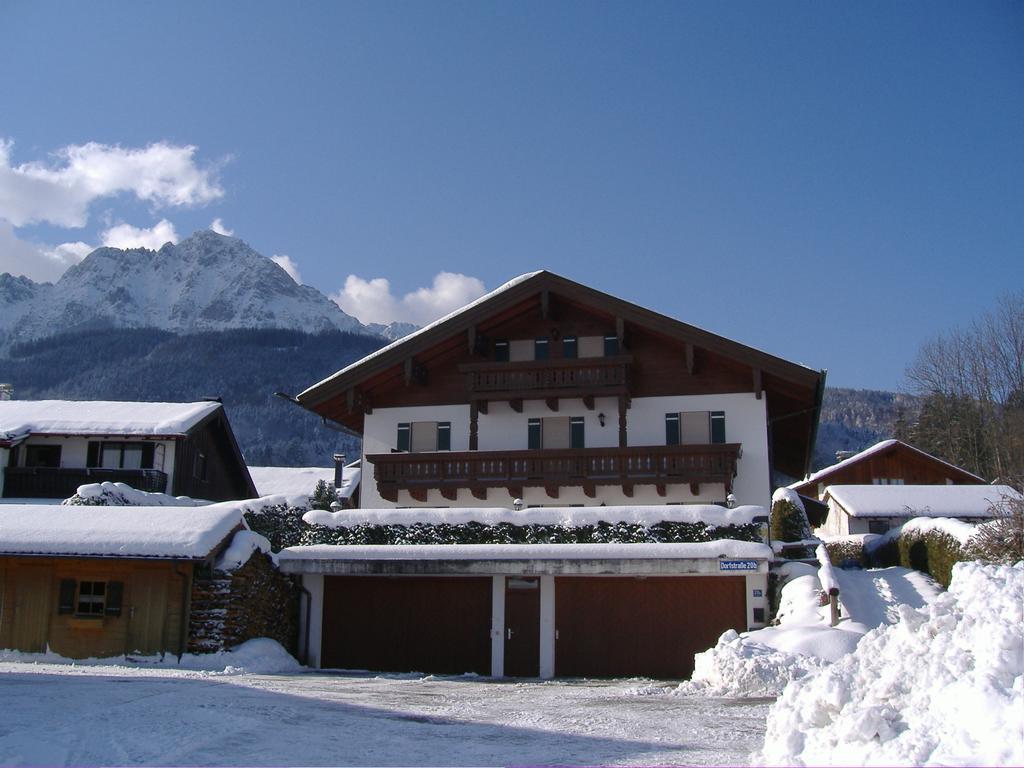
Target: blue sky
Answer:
pixel 832 183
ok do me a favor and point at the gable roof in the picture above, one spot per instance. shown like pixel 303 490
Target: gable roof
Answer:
pixel 21 418
pixel 779 373
pixel 919 500
pixel 133 532
pixel 876 450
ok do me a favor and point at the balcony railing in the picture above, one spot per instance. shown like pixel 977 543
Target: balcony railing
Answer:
pixel 550 378
pixel 62 482
pixel 553 469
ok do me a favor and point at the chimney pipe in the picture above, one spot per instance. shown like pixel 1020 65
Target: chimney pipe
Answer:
pixel 339 465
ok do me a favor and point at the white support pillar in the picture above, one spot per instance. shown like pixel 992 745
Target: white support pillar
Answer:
pixel 497 626
pixel 314 583
pixel 547 627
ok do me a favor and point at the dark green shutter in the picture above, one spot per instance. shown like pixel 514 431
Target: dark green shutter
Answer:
pixel 533 434
pixel 570 349
pixel 611 346
pixel 92 455
pixel 66 600
pixel 540 349
pixel 671 429
pixel 444 435
pixel 115 593
pixel 576 429
pixel 718 426
pixel 403 437
pixel 501 351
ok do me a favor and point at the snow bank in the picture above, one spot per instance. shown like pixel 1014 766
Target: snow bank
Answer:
pixel 123 495
pixel 243 545
pixel 574 517
pixel 260 656
pixel 943 686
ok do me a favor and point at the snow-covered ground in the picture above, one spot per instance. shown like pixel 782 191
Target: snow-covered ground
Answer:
pixel 93 715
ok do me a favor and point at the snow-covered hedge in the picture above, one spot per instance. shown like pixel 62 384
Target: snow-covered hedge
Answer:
pixel 123 495
pixel 788 518
pixel 283 525
pixel 943 686
pixel 929 545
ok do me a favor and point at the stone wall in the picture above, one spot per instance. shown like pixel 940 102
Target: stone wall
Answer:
pixel 229 608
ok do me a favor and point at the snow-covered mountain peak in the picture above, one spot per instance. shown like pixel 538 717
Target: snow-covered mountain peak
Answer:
pixel 206 282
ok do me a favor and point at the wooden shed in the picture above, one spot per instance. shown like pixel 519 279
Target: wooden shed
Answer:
pixel 105 581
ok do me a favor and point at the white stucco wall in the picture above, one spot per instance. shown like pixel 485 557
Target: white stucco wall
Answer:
pixel 502 428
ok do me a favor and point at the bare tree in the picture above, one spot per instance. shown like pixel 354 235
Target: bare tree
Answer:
pixel 1002 539
pixel 972 386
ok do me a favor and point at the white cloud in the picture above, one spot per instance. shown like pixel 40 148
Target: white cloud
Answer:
pixel 371 301
pixel 217 225
pixel 288 265
pixel 38 262
pixel 127 236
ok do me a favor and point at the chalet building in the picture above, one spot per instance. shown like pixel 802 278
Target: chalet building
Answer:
pixel 553 393
pixel 107 581
pixel 890 462
pixel 538 399
pixel 856 509
pixel 50 447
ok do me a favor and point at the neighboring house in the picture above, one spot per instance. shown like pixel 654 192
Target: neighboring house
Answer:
pixel 50 447
pixel 890 462
pixel 878 508
pixel 547 393
pixel 302 481
pixel 554 393
pixel 106 581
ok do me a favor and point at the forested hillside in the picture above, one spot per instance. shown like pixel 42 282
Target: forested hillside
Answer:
pixel 242 367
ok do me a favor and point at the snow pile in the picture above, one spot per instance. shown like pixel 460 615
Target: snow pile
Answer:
pixel 943 686
pixel 260 656
pixel 573 517
pixel 763 662
pixel 123 495
pixel 243 545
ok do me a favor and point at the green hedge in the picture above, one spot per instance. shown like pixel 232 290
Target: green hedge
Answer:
pixel 840 552
pixel 933 553
pixel 284 527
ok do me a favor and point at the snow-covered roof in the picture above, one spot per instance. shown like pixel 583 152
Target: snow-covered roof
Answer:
pixel 298 481
pixel 425 329
pixel 918 500
pixel 724 548
pixel 876 448
pixel 135 532
pixel 20 418
pixel 573 517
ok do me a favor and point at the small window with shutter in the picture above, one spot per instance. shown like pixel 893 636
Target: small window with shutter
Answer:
pixel 671 429
pixel 533 435
pixel 718 426
pixel 444 435
pixel 91 598
pixel 576 429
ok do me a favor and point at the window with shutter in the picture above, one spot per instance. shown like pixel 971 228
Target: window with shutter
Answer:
pixel 444 435
pixel 540 349
pixel 569 347
pixel 671 429
pixel 694 428
pixel 533 436
pixel 576 428
pixel 556 432
pixel 91 596
pixel 718 426
pixel 424 437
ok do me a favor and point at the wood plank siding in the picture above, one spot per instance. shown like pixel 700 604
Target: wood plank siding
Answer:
pixel 154 605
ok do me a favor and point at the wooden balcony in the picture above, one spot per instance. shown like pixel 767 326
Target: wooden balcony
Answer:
pixel 659 466
pixel 549 379
pixel 63 482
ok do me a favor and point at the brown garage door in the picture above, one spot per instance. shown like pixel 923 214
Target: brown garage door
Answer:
pixel 406 624
pixel 625 627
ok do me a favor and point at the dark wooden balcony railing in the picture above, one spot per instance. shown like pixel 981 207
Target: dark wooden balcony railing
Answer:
pixel 62 482
pixel 552 469
pixel 550 378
